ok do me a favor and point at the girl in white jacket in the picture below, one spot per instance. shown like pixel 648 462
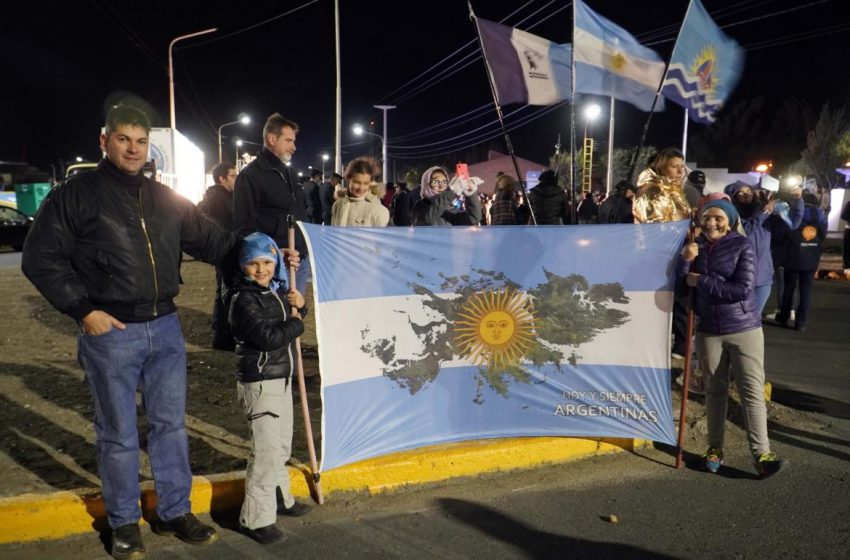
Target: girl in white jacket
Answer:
pixel 359 207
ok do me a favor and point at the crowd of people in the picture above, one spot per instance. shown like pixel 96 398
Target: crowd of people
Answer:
pixel 106 247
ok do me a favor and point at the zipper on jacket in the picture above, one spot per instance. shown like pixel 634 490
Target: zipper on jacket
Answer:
pixel 150 252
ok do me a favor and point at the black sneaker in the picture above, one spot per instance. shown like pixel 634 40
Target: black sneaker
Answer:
pixel 269 534
pixel 297 510
pixel 187 528
pixel 127 542
pixel 767 465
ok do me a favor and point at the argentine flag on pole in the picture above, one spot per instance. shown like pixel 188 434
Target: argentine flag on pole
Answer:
pixel 525 68
pixel 431 335
pixel 609 61
pixel 705 67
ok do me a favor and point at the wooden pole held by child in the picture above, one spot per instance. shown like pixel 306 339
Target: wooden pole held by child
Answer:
pixel 302 387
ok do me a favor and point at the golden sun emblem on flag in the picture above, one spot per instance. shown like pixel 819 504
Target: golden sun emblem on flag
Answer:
pixel 495 328
pixel 617 62
pixel 705 68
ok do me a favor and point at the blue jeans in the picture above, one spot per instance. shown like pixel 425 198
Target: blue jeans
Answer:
pixel 152 355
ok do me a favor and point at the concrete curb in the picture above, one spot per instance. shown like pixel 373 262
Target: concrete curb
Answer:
pixel 32 517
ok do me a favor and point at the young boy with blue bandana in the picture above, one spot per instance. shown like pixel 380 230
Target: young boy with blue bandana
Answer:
pixel 265 330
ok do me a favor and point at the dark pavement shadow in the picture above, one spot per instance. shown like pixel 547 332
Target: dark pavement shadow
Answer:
pixel 797 438
pixel 535 543
pixel 810 403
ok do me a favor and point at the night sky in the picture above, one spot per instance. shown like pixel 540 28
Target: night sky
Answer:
pixel 63 62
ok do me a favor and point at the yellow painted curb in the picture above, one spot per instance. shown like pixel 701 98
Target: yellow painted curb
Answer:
pixel 53 516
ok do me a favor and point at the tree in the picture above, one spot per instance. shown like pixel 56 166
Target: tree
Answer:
pixel 827 146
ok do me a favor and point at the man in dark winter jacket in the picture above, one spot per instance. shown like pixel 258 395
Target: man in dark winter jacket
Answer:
pixel 617 208
pixel 266 194
pixel 549 201
pixel 217 205
pixel 105 249
pixel 312 201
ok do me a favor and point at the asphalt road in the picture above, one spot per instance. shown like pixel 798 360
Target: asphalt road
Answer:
pixel 562 512
pixel 811 370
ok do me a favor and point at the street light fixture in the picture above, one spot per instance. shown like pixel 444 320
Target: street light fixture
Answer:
pixel 325 157
pixel 244 119
pixel 238 143
pixel 171 69
pixel 360 131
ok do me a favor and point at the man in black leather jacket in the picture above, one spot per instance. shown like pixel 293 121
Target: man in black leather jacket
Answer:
pixel 105 249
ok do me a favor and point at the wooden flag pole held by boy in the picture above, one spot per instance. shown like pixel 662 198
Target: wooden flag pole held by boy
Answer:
pixel 302 388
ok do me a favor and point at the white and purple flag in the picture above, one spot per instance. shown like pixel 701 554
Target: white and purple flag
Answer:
pixel 525 68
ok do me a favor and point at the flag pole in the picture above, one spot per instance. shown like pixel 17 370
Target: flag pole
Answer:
pixel 685 135
pixel 636 153
pixel 609 176
pixel 302 386
pixel 573 122
pixel 508 142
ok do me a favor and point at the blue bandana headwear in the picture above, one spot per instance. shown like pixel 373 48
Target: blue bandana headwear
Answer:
pixel 727 207
pixel 259 245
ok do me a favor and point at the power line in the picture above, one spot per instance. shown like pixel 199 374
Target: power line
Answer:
pixel 252 26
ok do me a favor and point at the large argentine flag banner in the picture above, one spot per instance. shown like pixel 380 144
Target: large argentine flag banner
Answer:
pixel 433 335
pixel 525 68
pixel 705 67
pixel 610 61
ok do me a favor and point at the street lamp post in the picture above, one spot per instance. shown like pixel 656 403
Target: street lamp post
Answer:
pixel 244 119
pixel 384 108
pixel 171 69
pixel 325 157
pixel 359 131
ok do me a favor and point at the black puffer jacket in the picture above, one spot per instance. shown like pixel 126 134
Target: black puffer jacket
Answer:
pixel 100 243
pixel 549 204
pixel 264 332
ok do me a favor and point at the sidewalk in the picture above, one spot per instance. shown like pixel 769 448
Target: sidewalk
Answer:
pixel 53 516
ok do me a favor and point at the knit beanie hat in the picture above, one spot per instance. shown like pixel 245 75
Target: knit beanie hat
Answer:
pixel 727 207
pixel 261 246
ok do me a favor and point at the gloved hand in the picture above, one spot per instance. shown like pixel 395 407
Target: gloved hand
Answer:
pixel 461 186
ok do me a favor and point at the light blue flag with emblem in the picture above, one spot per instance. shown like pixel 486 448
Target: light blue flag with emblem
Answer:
pixel 525 68
pixel 431 335
pixel 610 61
pixel 705 67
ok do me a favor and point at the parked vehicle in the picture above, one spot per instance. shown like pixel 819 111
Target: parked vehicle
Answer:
pixel 14 226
